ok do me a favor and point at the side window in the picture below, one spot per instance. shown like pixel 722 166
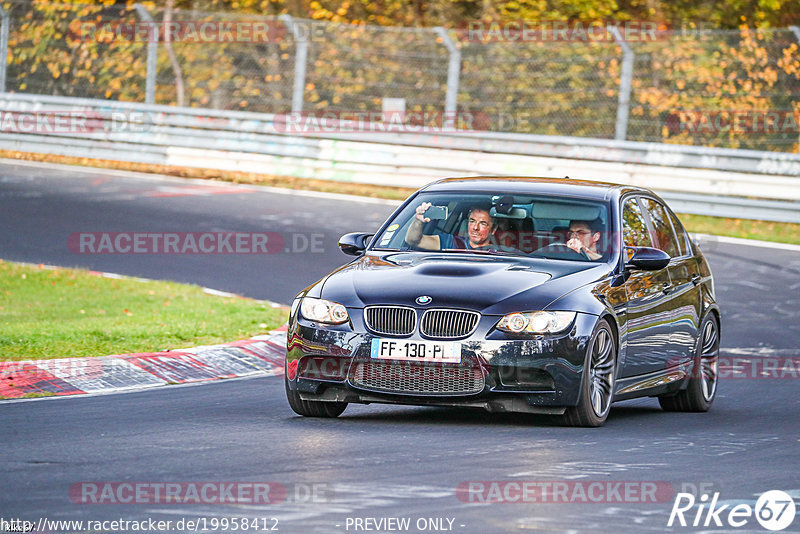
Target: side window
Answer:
pixel 665 236
pixel 681 235
pixel 634 229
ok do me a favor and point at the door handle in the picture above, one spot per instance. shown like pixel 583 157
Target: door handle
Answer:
pixel 666 287
pixel 696 278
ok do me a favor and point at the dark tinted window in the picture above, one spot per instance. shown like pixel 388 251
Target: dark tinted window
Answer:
pixel 634 229
pixel 665 236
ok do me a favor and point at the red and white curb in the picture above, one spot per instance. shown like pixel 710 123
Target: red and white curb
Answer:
pixel 260 355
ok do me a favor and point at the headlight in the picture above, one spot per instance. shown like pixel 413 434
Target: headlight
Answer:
pixel 540 322
pixel 323 311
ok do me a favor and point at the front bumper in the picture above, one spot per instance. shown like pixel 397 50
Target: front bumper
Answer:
pixel 539 374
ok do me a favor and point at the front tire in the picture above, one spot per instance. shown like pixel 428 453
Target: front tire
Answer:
pixel 597 385
pixel 702 387
pixel 308 408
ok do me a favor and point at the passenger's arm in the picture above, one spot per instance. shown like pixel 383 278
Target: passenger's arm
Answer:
pixel 414 235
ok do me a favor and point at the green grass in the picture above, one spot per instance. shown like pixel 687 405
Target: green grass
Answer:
pixel 744 228
pixel 57 313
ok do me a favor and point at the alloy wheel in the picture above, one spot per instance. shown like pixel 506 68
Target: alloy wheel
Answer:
pixel 709 360
pixel 602 373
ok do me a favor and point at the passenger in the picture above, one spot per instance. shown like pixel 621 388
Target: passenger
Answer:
pixel 481 228
pixel 583 237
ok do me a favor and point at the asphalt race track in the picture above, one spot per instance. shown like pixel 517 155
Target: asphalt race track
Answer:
pixel 374 462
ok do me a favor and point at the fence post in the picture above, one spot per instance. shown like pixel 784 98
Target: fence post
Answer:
pixel 796 32
pixel 152 55
pixel 5 20
pixel 453 74
pixel 301 53
pixel 623 104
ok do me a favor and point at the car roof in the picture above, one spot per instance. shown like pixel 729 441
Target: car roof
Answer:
pixel 533 185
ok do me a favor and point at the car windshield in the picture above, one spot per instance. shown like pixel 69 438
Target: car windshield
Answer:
pixel 559 228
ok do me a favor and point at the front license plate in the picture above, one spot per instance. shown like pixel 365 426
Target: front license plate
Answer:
pixel 416 351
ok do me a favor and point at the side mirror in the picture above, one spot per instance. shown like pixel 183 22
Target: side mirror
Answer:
pixel 355 243
pixel 647 259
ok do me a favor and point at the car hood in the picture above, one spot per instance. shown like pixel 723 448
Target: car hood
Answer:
pixel 489 284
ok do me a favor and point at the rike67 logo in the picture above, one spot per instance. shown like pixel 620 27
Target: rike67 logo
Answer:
pixel 774 510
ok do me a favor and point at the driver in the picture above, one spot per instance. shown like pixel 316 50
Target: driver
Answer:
pixel 583 237
pixel 481 228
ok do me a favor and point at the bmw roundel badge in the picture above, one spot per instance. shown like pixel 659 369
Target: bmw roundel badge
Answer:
pixel 424 299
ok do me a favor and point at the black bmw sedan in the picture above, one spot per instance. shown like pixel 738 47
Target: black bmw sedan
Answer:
pixel 535 295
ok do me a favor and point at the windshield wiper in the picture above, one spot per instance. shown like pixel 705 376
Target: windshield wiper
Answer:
pixel 491 252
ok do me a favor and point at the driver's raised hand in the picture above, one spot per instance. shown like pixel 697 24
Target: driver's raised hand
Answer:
pixel 421 209
pixel 575 244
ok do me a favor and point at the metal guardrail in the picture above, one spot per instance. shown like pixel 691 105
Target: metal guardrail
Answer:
pixel 709 181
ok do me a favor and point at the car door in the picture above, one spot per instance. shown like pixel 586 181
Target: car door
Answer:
pixel 649 303
pixel 670 237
